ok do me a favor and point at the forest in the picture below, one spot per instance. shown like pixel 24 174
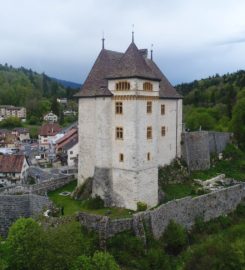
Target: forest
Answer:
pixel 37 92
pixel 216 103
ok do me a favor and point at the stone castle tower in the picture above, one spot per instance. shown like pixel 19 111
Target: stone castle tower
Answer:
pixel 130 121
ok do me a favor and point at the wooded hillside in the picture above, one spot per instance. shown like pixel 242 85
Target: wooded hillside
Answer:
pixel 216 103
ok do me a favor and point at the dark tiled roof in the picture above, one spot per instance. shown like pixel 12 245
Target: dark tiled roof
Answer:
pixel 70 144
pixel 166 89
pixel 21 130
pixel 49 129
pixel 132 63
pixel 96 82
pixel 11 163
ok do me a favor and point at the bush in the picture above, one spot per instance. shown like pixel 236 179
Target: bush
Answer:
pixel 99 261
pixel 216 253
pixel 240 210
pixel 126 249
pixel 95 203
pixel 175 238
pixel 141 206
pixel 232 152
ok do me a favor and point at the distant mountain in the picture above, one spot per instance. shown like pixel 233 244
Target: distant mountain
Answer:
pixel 67 84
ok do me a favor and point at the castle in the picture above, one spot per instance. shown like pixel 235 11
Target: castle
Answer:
pixel 130 122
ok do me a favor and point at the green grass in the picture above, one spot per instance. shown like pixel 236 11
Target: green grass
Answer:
pixel 72 206
pixel 177 191
pixel 233 169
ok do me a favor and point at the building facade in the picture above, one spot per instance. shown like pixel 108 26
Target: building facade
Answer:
pixel 13 169
pixel 50 117
pixel 12 111
pixel 130 122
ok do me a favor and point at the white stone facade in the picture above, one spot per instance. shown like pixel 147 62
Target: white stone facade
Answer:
pixel 135 179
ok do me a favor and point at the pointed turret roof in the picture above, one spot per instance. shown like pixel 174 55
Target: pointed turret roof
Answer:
pixel 131 64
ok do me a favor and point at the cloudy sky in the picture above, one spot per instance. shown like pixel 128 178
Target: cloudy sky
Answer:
pixel 192 38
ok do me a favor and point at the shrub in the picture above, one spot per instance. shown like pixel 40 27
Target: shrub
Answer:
pixel 99 261
pixel 141 206
pixel 232 152
pixel 126 249
pixel 240 210
pixel 175 238
pixel 95 203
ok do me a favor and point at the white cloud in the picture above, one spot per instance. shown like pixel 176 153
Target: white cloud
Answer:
pixel 62 37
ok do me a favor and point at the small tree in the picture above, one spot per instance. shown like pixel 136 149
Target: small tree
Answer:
pixel 175 238
pixel 99 261
pixel 238 122
pixel 24 244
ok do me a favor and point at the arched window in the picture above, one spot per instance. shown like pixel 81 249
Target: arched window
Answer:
pixel 122 85
pixel 147 86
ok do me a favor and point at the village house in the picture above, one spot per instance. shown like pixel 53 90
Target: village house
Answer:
pixel 130 122
pixel 13 169
pixel 22 134
pixel 46 133
pixel 50 117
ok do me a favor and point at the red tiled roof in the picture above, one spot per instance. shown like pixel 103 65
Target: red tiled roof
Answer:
pixel 67 137
pixel 49 129
pixel 11 163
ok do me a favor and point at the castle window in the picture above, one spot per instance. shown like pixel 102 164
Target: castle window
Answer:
pixel 148 156
pixel 122 85
pixel 119 133
pixel 121 157
pixel 149 107
pixel 147 86
pixel 162 109
pixel 163 131
pixel 149 133
pixel 119 108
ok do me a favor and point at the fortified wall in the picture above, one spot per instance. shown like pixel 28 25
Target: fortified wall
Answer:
pixel 13 207
pixel 40 189
pixel 199 145
pixel 183 211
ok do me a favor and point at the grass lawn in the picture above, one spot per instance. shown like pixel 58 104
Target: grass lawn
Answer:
pixel 177 191
pixel 72 206
pixel 233 169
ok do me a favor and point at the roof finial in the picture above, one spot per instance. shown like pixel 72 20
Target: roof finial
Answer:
pixel 132 32
pixel 151 51
pixel 103 41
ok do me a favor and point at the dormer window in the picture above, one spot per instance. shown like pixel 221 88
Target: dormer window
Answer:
pixel 147 86
pixel 122 86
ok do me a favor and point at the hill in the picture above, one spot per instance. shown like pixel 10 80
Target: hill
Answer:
pixel 68 84
pixel 36 92
pixel 216 103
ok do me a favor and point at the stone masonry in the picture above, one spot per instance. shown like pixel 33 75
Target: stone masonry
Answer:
pixel 183 211
pixel 199 145
pixel 13 207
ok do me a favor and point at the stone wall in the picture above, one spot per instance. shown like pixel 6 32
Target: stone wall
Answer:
pixel 183 211
pixel 41 188
pixel 197 147
pixel 13 207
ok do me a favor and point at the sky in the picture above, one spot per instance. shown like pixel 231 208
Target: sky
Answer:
pixel 191 39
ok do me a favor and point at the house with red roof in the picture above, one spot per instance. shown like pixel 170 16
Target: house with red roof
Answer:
pixel 46 133
pixel 13 169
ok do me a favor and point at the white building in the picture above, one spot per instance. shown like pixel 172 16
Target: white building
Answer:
pixel 46 133
pixel 130 120
pixel 50 117
pixel 12 111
